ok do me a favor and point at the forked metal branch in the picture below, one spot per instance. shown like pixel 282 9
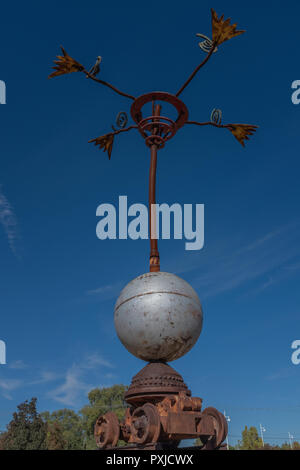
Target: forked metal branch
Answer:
pixel 197 69
pixel 109 85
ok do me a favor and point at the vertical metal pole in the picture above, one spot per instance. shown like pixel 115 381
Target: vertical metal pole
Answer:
pixel 154 254
pixel 228 420
pixel 262 434
pixel 291 440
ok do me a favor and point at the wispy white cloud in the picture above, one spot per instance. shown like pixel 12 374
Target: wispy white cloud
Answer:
pixel 8 385
pixel 94 360
pixel 260 241
pixel 108 291
pixel 75 383
pixel 281 274
pixel 265 285
pixel 265 261
pixel 293 267
pixel 19 364
pixel 45 377
pixel 281 374
pixel 110 376
pixel 8 221
pixel 100 290
pixel 73 386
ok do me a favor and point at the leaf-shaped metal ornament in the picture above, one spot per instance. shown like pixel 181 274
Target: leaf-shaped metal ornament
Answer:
pixel 65 64
pixel 242 131
pixel 222 30
pixel 105 142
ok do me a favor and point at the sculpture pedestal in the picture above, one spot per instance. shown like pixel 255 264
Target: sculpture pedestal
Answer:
pixel 161 412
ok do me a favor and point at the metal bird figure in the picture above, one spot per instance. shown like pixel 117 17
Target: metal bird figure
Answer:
pixel 96 68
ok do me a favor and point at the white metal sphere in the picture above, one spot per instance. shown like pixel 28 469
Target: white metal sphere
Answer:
pixel 158 316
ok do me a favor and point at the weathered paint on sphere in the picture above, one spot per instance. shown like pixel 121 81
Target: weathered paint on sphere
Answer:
pixel 158 316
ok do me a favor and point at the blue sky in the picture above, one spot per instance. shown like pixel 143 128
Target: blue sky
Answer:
pixel 59 283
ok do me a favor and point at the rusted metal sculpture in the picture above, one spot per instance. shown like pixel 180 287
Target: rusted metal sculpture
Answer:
pixel 161 410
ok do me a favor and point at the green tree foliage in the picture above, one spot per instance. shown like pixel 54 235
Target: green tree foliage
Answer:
pixel 71 426
pixel 2 440
pixel 27 430
pixel 101 400
pixel 55 438
pixel 62 429
pixel 197 442
pixel 250 439
pixel 67 430
pixel 269 447
pixel 287 446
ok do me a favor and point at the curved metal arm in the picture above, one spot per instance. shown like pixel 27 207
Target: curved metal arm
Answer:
pixel 118 131
pixel 124 129
pixel 240 131
pixel 208 123
pixel 102 82
pixel 197 69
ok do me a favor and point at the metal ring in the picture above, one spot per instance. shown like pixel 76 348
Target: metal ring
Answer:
pixel 155 140
pixel 121 119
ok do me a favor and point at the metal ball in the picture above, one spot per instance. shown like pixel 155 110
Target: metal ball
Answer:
pixel 158 316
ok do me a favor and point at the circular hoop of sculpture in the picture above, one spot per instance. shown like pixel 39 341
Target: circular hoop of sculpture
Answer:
pixel 158 129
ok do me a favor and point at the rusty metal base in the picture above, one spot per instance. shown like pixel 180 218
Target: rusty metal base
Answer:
pixel 161 413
